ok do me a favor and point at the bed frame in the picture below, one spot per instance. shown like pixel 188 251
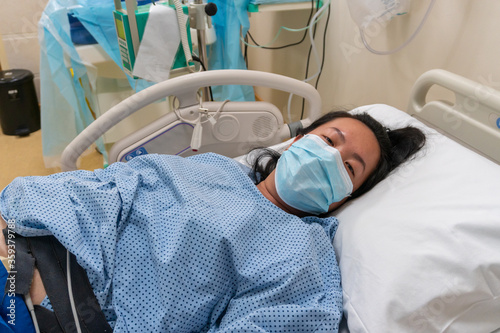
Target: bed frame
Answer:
pixel 261 124
pixel 473 120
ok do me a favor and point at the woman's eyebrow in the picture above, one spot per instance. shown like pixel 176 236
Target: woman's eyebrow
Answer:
pixel 355 155
pixel 340 134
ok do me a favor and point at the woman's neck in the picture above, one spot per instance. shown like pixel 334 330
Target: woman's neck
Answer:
pixel 268 189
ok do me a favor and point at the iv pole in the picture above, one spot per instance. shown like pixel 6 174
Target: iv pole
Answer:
pixel 199 13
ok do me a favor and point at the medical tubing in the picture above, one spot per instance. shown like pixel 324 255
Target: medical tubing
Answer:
pixel 198 129
pixel 198 120
pixel 308 63
pixel 31 308
pixel 400 47
pixel 315 53
pixel 324 49
pixel 185 89
pixel 219 110
pixel 311 37
pixel 183 32
pixel 70 292
pixel 267 46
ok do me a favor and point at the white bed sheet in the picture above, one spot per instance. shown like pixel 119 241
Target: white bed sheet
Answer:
pixel 421 251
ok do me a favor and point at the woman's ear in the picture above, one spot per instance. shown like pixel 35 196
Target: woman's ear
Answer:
pixel 298 137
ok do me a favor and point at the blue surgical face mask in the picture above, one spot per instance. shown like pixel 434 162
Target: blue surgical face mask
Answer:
pixel 310 175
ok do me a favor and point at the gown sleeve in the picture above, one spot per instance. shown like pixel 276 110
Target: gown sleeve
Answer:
pixel 77 207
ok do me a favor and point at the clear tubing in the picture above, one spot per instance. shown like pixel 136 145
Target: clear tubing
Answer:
pixel 271 43
pixel 314 51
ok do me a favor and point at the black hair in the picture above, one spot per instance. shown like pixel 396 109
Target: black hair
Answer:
pixel 396 146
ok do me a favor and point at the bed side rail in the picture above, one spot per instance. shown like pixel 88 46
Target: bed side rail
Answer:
pixel 474 117
pixel 185 89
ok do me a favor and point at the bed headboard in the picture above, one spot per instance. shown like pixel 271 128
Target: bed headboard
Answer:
pixel 474 118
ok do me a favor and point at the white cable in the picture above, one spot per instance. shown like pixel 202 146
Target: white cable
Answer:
pixel 31 308
pixel 219 110
pixel 400 47
pixel 198 129
pixel 211 118
pixel 70 292
pixel 183 32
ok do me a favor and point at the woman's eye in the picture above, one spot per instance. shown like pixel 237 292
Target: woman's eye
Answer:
pixel 349 166
pixel 329 141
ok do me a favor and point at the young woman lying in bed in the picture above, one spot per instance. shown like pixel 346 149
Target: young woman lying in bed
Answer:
pixel 178 244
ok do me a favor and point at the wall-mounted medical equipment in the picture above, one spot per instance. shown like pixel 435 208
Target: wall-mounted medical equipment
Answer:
pixel 130 25
pixel 231 128
pixel 155 36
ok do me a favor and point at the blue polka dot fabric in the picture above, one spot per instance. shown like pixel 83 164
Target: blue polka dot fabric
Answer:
pixel 174 244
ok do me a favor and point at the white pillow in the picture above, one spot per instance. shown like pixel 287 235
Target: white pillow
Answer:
pixel 421 251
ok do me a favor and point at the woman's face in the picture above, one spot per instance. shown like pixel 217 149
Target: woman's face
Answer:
pixel 357 145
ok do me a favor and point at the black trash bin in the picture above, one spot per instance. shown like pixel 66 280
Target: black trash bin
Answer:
pixel 19 109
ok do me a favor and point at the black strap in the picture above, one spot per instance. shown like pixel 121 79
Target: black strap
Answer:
pixel 87 307
pixel 47 320
pixel 54 277
pixel 53 273
pixel 21 270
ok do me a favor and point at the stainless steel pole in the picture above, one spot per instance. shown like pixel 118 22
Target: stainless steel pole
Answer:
pixel 202 48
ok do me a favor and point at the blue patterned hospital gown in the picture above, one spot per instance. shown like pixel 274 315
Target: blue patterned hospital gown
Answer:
pixel 174 244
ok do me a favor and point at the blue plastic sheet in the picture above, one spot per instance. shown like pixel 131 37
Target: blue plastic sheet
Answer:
pixel 66 94
pixel 14 315
pixel 225 53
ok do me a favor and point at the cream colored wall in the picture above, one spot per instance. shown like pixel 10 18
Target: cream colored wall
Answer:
pixel 3 56
pixel 460 36
pixel 289 61
pixel 19 32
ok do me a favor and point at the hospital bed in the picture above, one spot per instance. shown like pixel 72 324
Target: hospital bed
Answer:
pixel 418 253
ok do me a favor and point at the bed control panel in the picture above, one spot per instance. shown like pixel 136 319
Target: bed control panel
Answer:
pixel 232 130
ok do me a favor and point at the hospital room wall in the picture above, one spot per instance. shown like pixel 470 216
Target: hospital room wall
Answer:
pixel 19 36
pixel 459 36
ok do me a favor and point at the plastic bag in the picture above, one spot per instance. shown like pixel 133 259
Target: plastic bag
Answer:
pixel 225 53
pixel 363 12
pixel 66 82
